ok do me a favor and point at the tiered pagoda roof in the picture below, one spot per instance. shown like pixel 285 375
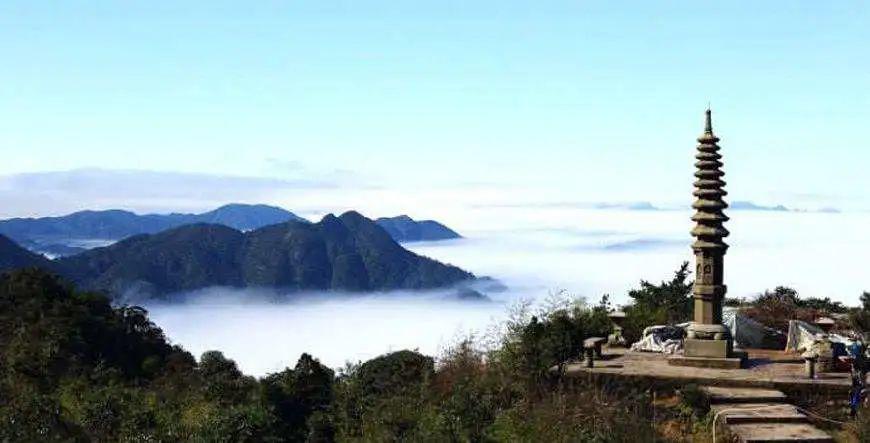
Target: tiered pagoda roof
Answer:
pixel 709 205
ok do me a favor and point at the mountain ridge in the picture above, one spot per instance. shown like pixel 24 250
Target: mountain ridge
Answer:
pixel 14 256
pixel 119 223
pixel 82 230
pixel 349 253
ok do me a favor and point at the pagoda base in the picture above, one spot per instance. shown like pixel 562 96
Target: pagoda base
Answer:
pixel 706 348
pixel 707 362
pixel 709 354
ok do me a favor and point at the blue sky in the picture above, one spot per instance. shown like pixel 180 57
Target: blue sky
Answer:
pixel 563 100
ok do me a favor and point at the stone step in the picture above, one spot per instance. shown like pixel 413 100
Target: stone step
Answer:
pixel 721 395
pixel 779 432
pixel 762 415
pixel 742 413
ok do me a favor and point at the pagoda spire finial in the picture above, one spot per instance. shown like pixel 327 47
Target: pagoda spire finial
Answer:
pixel 708 122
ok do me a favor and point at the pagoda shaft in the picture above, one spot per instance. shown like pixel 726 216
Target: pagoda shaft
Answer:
pixel 709 248
pixel 708 342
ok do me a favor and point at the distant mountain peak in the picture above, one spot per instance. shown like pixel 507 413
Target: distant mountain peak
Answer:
pixel 351 215
pixel 746 205
pixel 405 229
pixel 632 206
pixel 245 205
pixel 248 206
pixel 329 217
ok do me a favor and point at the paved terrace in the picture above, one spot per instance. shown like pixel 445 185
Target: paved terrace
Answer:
pixel 767 369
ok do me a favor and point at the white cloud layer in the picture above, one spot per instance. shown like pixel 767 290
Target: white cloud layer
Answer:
pixel 535 252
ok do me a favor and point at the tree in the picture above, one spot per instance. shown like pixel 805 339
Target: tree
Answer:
pixel 671 297
pixel 668 302
pixel 776 308
pixel 860 317
pixel 302 398
pixel 824 305
pixel 383 398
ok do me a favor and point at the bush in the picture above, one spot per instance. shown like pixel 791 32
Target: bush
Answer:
pixel 860 427
pixel 638 318
pixel 383 398
pixel 577 413
pixel 775 308
pixel 394 373
pixel 859 319
pixel 668 302
pixel 534 344
pixel 301 399
pixel 694 401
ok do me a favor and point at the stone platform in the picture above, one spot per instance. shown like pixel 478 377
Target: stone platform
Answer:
pixel 764 369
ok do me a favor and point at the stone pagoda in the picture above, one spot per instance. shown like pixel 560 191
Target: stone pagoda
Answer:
pixel 708 342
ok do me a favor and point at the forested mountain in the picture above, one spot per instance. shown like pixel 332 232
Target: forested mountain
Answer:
pixel 55 234
pixel 13 256
pixel 75 368
pixel 350 252
pixel 111 375
pixel 77 232
pixel 405 229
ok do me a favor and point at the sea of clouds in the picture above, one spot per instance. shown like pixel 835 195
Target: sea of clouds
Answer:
pixel 586 252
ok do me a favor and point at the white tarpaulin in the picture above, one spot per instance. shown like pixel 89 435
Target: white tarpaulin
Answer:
pixel 660 338
pixel 801 336
pixel 748 333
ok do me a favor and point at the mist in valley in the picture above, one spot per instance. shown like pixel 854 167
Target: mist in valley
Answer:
pixel 265 332
pixel 584 252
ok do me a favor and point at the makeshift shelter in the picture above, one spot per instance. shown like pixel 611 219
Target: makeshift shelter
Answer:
pixel 801 336
pixel 748 333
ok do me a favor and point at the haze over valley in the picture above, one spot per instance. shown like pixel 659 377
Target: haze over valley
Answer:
pixel 530 251
pixel 586 252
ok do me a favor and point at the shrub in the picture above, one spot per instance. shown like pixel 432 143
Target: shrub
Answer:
pixel 383 398
pixel 301 399
pixel 577 413
pixel 694 401
pixel 775 308
pixel 668 302
pixel 534 344
pixel 394 373
pixel 859 318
